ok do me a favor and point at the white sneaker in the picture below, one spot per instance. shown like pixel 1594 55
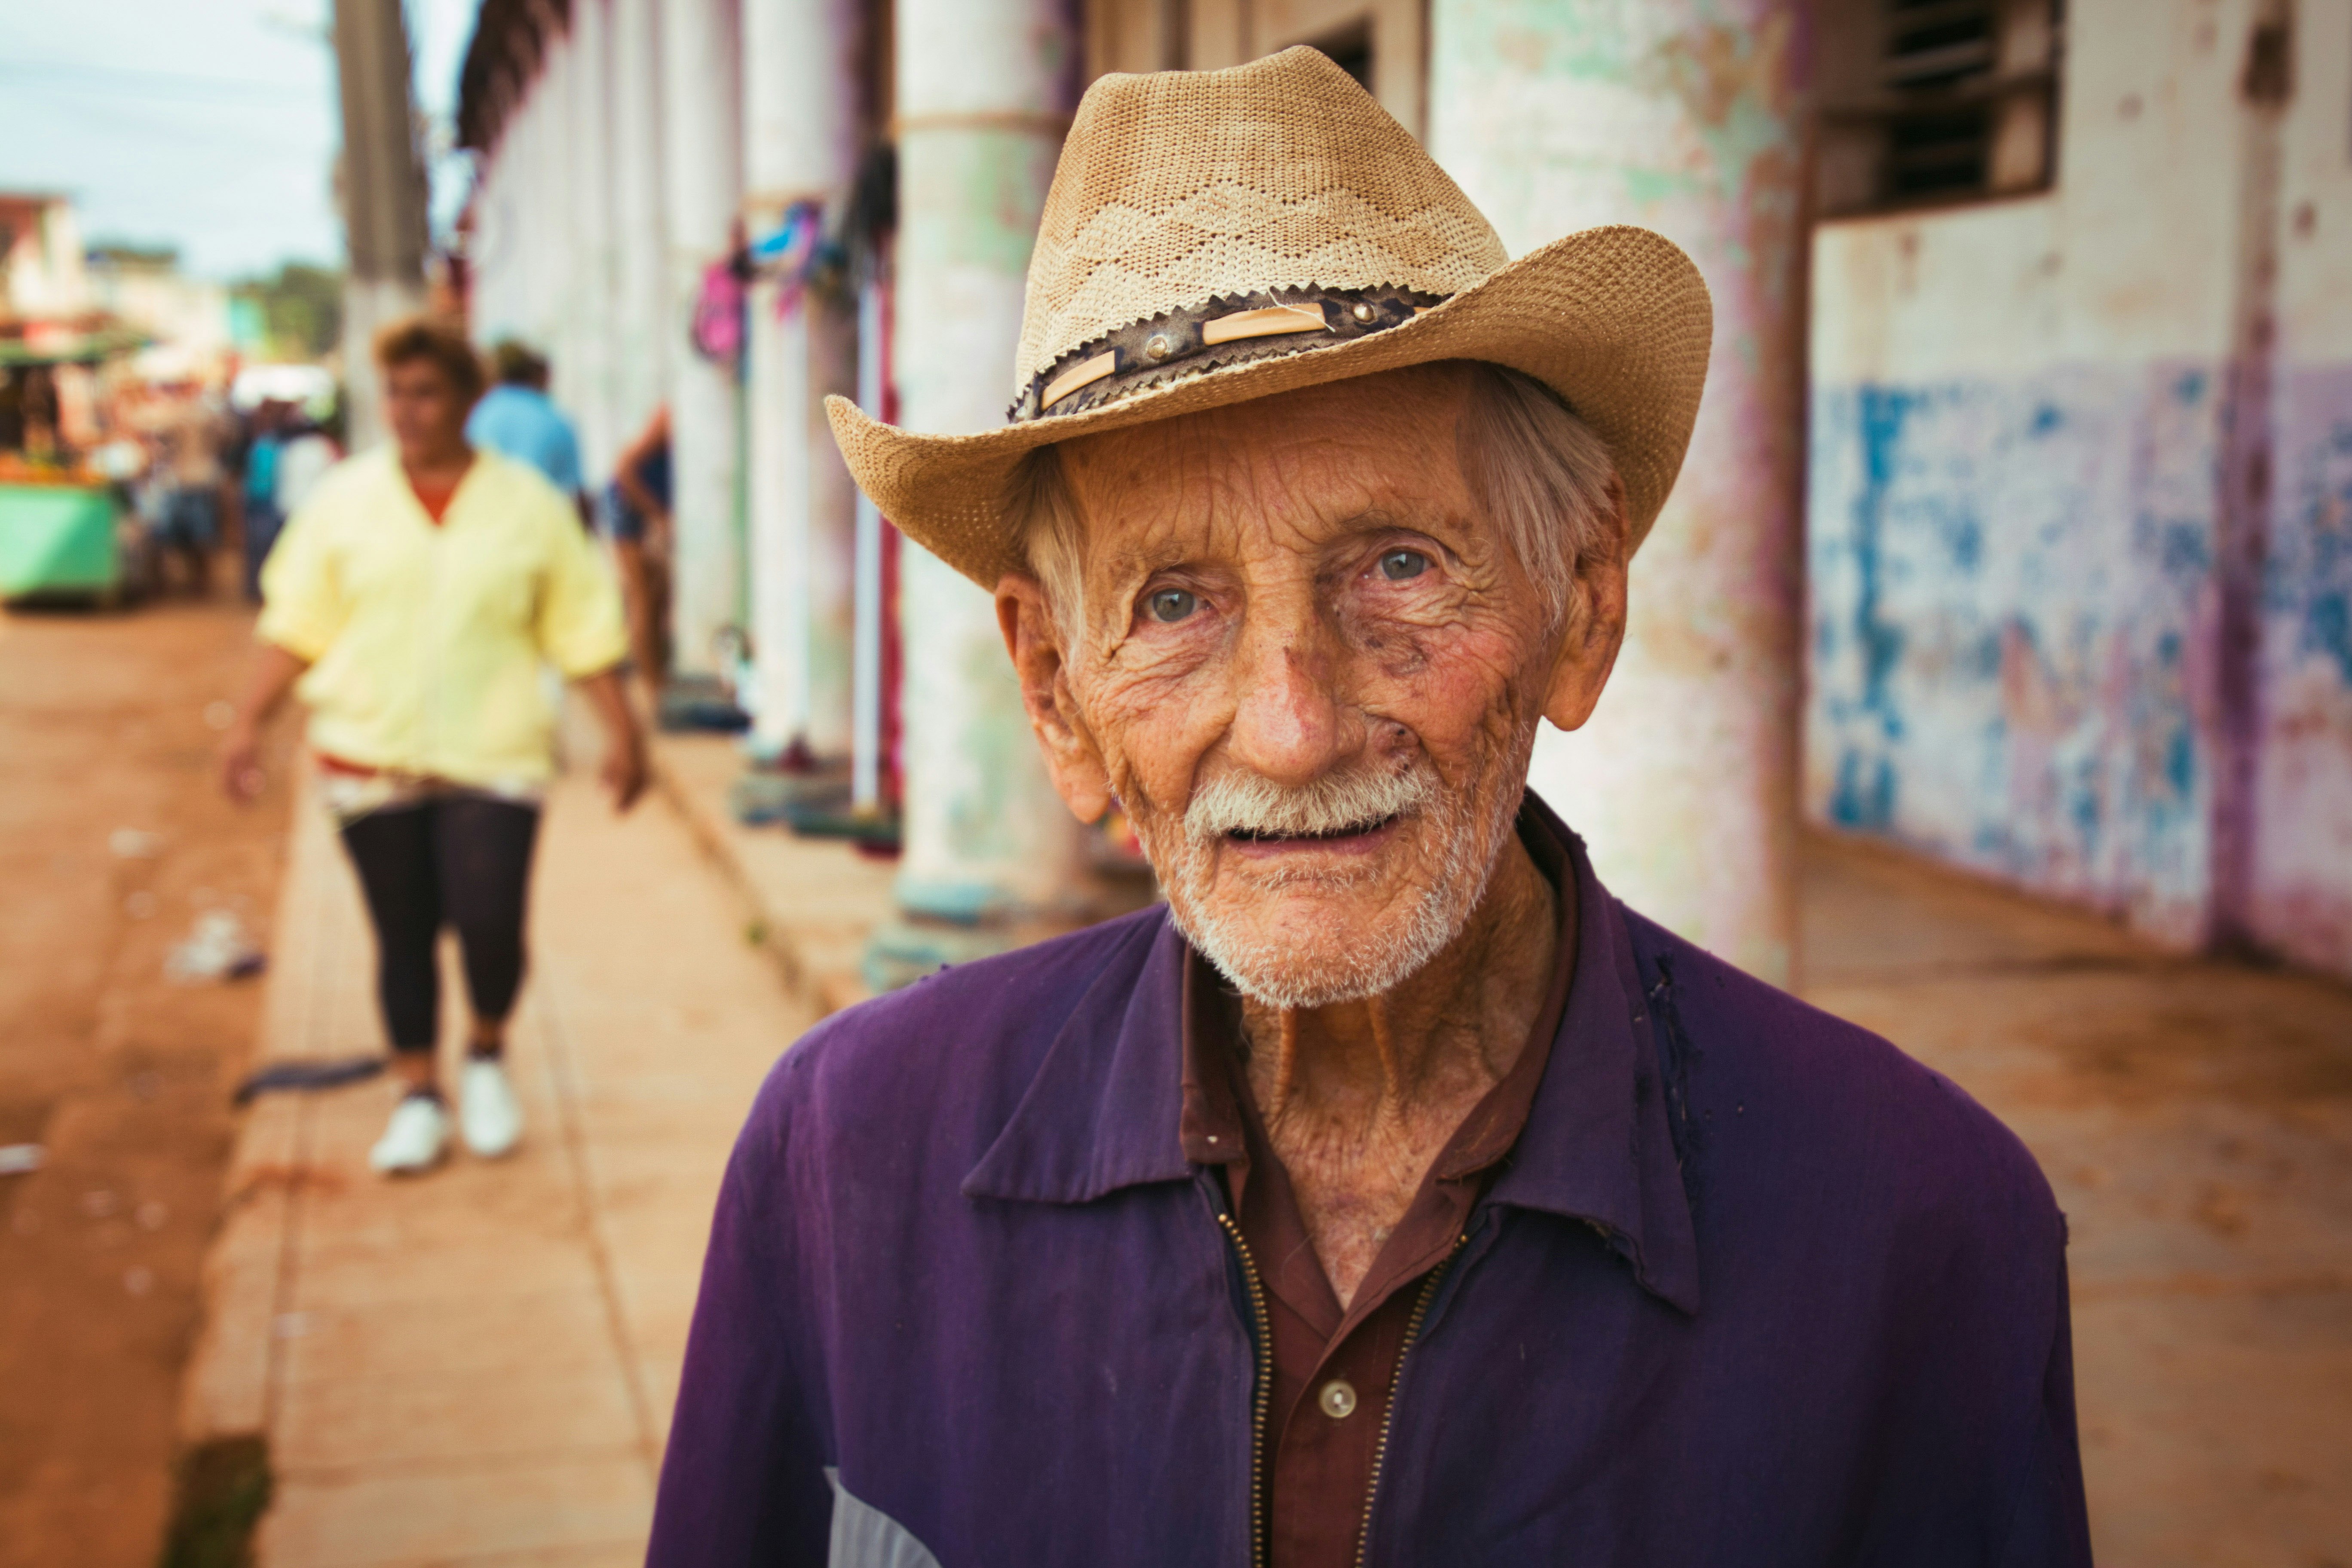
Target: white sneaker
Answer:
pixel 487 1108
pixel 415 1140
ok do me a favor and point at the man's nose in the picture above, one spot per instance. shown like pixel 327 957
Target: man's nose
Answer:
pixel 1290 723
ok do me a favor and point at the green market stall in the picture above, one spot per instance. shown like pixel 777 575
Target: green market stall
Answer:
pixel 59 523
pixel 58 540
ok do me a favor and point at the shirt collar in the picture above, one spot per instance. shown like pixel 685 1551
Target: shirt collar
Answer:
pixel 1107 1106
pixel 1104 1110
pixel 1597 1147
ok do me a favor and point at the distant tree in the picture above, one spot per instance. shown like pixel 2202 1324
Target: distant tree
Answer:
pixel 301 308
pixel 127 252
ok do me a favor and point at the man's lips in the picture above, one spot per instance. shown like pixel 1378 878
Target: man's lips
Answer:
pixel 1269 836
pixel 1359 838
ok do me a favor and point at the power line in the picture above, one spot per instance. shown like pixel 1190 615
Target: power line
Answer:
pixel 58 75
pixel 156 122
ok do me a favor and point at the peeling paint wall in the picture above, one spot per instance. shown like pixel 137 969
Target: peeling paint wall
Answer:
pixel 2039 431
pixel 2011 613
pixel 2301 903
pixel 2303 868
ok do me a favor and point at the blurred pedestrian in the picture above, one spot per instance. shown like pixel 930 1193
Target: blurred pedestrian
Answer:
pixel 263 518
pixel 518 417
pixel 415 594
pixel 637 522
pixel 189 429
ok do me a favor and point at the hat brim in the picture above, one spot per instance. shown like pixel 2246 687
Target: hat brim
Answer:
pixel 1617 321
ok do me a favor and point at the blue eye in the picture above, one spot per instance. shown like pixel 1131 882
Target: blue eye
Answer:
pixel 1399 565
pixel 1171 604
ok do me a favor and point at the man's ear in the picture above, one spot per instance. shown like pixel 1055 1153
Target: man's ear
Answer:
pixel 1079 774
pixel 1589 651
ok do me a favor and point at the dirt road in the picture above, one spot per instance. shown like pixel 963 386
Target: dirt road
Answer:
pixel 112 842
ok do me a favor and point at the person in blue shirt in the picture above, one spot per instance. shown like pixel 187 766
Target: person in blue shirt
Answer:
pixel 517 418
pixel 263 516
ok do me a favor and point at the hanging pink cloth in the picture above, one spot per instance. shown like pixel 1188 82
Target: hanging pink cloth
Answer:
pixel 718 329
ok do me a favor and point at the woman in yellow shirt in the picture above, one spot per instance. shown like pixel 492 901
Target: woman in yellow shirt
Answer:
pixel 412 603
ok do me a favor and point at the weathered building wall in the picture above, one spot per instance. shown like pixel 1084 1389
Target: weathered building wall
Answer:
pixel 2024 418
pixel 2301 901
pixel 42 271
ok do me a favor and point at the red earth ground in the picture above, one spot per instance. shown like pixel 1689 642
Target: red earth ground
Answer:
pixel 122 1074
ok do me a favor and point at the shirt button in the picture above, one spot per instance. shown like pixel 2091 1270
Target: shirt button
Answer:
pixel 1338 1398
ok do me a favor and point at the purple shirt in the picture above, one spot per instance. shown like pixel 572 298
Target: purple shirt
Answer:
pixel 1753 1288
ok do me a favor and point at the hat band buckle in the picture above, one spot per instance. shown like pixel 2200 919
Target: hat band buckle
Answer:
pixel 1226 329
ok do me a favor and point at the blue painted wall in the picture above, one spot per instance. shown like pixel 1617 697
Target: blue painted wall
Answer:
pixel 2303 796
pixel 2011 615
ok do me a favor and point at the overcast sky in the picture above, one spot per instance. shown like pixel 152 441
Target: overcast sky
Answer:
pixel 207 124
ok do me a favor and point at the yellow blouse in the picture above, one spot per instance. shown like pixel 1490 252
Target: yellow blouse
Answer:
pixel 426 641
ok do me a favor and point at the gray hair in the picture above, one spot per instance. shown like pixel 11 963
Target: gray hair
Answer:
pixel 1532 466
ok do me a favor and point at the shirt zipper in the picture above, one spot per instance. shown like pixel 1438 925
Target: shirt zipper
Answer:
pixel 1262 1394
pixel 1396 1380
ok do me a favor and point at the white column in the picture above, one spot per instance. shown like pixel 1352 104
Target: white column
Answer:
pixel 531 205
pixel 800 145
pixel 832 535
pixel 643 333
pixel 868 630
pixel 984 88
pixel 702 163
pixel 776 455
pixel 558 334
pixel 1554 115
pixel 490 249
pixel 522 184
pixel 591 236
pixel 514 180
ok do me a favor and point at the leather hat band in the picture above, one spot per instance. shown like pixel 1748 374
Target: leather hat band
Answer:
pixel 1228 330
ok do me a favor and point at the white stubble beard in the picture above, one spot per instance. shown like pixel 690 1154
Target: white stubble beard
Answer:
pixel 1284 972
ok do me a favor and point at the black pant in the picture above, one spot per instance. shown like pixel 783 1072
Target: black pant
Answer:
pixel 455 860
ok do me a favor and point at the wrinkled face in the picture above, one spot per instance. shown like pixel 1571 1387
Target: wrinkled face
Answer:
pixel 423 408
pixel 1311 671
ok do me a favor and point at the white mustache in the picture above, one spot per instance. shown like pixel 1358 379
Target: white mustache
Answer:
pixel 1252 804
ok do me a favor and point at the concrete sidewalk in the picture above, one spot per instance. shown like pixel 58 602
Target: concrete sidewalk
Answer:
pixel 813 901
pixel 478 1367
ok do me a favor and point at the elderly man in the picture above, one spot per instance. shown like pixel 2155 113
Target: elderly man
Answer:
pixel 1392 1194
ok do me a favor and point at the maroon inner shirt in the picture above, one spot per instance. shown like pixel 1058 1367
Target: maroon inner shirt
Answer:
pixel 1334 1366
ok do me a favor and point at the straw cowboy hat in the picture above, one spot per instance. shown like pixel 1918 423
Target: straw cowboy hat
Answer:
pixel 1213 237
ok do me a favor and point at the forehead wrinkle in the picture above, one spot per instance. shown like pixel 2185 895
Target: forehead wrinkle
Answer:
pixel 1296 505
pixel 1225 485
